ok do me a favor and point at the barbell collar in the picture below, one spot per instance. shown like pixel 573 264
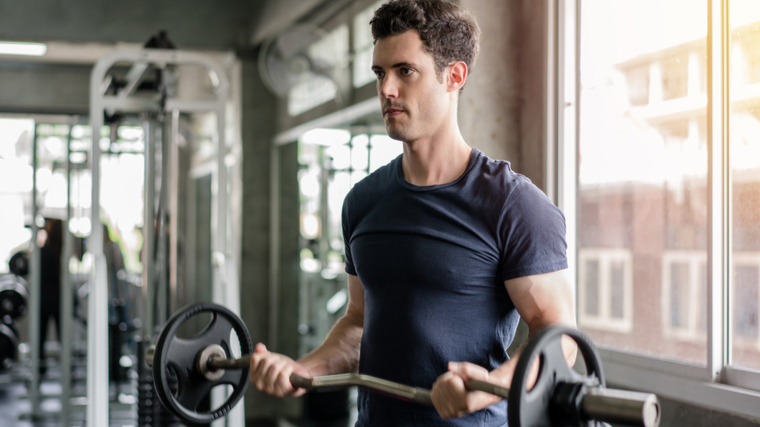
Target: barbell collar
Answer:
pixel 149 355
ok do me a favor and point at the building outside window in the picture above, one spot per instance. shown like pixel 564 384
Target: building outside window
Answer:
pixel 668 171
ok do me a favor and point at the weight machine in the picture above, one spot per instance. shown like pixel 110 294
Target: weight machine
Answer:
pixel 159 108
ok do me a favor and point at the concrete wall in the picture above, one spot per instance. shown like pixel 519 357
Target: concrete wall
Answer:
pixel 488 106
pixel 44 88
pixel 501 111
pixel 221 24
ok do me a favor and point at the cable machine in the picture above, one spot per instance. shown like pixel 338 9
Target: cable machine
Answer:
pixel 159 109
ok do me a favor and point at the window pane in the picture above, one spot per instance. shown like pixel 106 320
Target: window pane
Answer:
pixel 617 282
pixel 679 295
pixel 592 288
pixel 15 187
pixel 745 302
pixel 744 152
pixel 643 172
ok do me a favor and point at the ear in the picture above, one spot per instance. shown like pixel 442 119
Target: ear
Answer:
pixel 456 76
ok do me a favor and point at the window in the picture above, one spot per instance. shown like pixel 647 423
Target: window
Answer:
pixel 331 162
pixel 746 300
pixel 667 167
pixel 15 186
pixel 605 289
pixel 643 165
pixel 744 161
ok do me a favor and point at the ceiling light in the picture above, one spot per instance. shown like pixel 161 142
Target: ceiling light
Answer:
pixel 17 48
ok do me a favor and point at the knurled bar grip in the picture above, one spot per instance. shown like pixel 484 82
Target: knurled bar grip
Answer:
pixel 601 404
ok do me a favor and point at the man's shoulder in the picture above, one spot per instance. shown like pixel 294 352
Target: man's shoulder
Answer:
pixel 374 185
pixel 497 174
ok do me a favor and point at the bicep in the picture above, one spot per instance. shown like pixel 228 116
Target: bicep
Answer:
pixel 355 298
pixel 543 299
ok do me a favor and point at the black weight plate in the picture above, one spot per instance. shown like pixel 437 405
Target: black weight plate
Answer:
pixel 180 354
pixel 8 346
pixel 13 296
pixel 532 408
pixel 19 263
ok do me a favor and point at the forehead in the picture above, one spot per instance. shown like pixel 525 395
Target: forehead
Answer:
pixel 401 48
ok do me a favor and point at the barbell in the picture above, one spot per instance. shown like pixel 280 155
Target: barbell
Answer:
pixel 560 397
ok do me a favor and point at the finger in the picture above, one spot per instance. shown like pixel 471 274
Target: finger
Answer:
pixel 261 372
pixel 471 371
pixel 269 376
pixel 282 382
pixel 255 362
pixel 272 378
pixel 448 395
pixel 260 352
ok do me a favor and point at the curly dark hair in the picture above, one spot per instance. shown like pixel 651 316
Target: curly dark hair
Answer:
pixel 448 32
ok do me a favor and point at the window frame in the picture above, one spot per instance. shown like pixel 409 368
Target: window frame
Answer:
pixel 719 384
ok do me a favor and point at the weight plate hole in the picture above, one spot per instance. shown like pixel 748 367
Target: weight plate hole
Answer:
pixel 194 326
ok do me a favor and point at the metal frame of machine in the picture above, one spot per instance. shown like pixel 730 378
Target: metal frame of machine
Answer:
pixel 125 101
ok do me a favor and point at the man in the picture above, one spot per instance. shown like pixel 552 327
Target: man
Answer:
pixel 445 248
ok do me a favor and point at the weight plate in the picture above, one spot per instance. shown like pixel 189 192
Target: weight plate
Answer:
pixel 180 354
pixel 533 408
pixel 13 296
pixel 19 263
pixel 8 346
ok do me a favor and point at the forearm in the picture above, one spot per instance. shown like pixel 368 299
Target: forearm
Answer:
pixel 339 353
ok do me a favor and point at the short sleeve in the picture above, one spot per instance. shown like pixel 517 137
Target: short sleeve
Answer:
pixel 347 236
pixel 533 232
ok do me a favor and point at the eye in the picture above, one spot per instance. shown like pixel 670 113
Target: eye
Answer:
pixel 379 74
pixel 406 71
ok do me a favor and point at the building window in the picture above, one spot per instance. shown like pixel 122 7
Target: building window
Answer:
pixel 605 289
pixel 746 300
pixel 642 169
pixel 684 295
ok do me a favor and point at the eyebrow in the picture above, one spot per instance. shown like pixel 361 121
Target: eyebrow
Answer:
pixel 396 65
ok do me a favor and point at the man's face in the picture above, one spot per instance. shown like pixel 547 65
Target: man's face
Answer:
pixel 413 100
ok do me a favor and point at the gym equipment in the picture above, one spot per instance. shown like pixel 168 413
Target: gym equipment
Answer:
pixel 187 359
pixel 13 296
pixel 560 396
pixel 149 412
pixel 8 346
pixel 19 263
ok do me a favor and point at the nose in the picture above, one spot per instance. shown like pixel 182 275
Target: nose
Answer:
pixel 387 87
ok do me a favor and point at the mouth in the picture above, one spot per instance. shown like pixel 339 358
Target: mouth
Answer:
pixel 392 112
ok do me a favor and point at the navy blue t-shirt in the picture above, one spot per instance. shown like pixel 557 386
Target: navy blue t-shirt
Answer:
pixel 433 261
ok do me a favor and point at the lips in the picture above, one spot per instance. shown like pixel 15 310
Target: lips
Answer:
pixel 393 112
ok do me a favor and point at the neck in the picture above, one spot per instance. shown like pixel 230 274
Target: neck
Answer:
pixel 437 159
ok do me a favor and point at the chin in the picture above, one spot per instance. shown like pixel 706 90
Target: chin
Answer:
pixel 397 133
